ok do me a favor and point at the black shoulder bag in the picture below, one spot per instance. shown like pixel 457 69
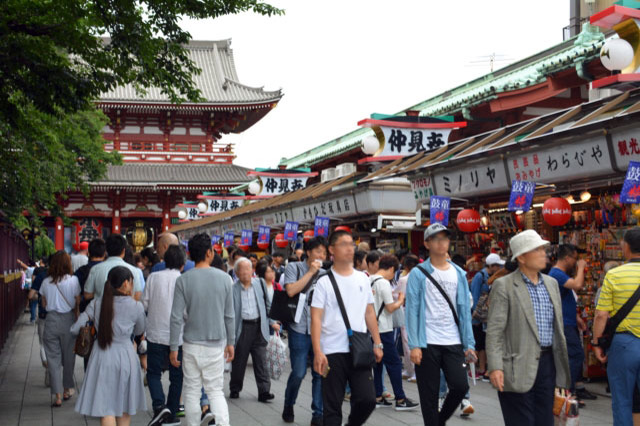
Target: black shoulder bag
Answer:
pixel 444 294
pixel 613 322
pixel 360 344
pixel 283 307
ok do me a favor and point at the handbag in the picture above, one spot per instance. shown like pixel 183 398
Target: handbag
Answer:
pixel 444 294
pixel 360 344
pixel 283 307
pixel 84 340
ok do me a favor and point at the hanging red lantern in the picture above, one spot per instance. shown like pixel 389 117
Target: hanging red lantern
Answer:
pixel 308 235
pixel 280 241
pixel 263 245
pixel 244 248
pixel 468 220
pixel 556 211
pixel 343 228
pixel 217 248
pixel 519 220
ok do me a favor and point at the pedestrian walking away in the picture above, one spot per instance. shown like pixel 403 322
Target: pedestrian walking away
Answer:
pixel 342 297
pixel 113 388
pixel 60 293
pixel 438 322
pixel 525 316
pixel 621 288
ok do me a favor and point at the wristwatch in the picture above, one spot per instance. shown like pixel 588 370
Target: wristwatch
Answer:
pixel 379 346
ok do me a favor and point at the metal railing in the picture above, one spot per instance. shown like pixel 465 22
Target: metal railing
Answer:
pixel 12 296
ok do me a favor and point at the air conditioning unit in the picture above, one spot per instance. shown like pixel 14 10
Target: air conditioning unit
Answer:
pixel 345 169
pixel 328 174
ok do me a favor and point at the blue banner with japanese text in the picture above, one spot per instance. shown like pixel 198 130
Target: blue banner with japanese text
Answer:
pixel 290 231
pixel 321 228
pixel 439 209
pixel 631 187
pixel 521 195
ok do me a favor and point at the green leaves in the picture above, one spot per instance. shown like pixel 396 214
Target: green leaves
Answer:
pixel 54 64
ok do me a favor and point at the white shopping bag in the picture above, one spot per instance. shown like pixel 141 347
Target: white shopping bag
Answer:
pixel 276 356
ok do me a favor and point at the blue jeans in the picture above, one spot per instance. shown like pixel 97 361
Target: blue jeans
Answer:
pixel 300 350
pixel 576 353
pixel 33 307
pixel 157 360
pixel 391 360
pixel 623 369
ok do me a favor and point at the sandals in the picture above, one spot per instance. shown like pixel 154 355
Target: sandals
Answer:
pixel 57 403
pixel 67 395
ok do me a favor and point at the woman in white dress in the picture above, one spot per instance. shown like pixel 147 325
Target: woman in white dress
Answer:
pixel 113 388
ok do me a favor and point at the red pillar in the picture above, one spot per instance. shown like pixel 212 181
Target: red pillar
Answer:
pixel 166 212
pixel 59 235
pixel 116 228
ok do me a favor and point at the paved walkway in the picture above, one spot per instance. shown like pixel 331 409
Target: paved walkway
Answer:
pixel 25 401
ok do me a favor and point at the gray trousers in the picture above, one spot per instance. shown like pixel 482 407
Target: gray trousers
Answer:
pixel 250 342
pixel 43 356
pixel 58 346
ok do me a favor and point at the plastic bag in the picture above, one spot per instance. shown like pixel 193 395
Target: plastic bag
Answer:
pixel 276 356
pixel 565 409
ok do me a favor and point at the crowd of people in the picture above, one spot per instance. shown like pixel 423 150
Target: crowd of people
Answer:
pixel 361 315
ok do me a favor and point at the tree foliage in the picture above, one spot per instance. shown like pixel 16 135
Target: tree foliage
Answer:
pixel 58 56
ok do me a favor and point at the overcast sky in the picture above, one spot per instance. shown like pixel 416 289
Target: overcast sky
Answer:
pixel 338 61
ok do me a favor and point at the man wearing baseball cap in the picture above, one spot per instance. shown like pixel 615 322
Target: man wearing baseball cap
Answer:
pixel 526 348
pixel 480 286
pixel 438 324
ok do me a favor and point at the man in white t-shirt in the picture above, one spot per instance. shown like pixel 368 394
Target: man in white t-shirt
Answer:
pixel 438 338
pixel 332 358
pixel 385 305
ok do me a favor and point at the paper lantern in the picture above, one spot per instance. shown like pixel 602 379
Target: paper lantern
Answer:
pixel 182 213
pixel 343 228
pixel 244 248
pixel 254 187
pixel 556 211
pixel 519 220
pixel 468 220
pixel 280 241
pixel 616 54
pixel 308 235
pixel 203 207
pixel 217 248
pixel 263 245
pixel 370 145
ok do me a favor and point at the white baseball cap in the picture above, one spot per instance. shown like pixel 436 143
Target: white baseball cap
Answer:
pixel 435 228
pixel 526 241
pixel 494 259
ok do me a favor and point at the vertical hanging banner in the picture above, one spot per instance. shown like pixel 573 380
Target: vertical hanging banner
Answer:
pixel 631 187
pixel 321 227
pixel 228 238
pixel 439 210
pixel 521 195
pixel 402 136
pixel 264 232
pixel 246 237
pixel 215 239
pixel 270 182
pixel 290 231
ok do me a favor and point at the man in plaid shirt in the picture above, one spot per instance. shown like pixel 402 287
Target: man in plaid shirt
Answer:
pixel 526 346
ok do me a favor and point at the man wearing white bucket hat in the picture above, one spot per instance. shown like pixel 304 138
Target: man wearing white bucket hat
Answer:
pixel 526 348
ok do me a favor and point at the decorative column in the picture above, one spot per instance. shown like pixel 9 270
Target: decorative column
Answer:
pixel 59 234
pixel 166 212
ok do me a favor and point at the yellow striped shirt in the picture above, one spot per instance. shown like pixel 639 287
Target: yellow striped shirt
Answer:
pixel 619 284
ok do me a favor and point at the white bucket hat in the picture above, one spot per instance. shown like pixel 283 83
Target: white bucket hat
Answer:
pixel 526 241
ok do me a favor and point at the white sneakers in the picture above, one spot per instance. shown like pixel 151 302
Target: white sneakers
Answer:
pixel 466 409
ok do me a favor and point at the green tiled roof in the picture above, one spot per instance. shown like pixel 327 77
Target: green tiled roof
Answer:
pixel 527 72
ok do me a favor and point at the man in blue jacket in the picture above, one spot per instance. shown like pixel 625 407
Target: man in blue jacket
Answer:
pixel 439 328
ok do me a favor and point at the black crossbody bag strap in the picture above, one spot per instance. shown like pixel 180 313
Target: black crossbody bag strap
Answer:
pixel 381 306
pixel 343 311
pixel 444 294
pixel 625 309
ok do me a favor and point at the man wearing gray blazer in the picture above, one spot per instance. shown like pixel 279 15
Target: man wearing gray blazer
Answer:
pixel 252 331
pixel 526 348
